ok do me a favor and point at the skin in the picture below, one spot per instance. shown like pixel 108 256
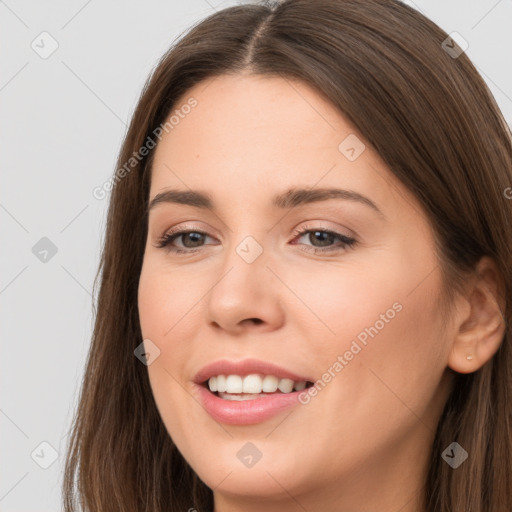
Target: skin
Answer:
pixel 364 441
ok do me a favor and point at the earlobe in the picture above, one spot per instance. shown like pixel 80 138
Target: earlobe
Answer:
pixel 480 333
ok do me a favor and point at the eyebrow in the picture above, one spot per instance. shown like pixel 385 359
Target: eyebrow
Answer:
pixel 289 199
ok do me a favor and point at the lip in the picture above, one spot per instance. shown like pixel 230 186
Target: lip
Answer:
pixel 246 412
pixel 246 367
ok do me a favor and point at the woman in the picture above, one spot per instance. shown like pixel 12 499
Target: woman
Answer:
pixel 305 286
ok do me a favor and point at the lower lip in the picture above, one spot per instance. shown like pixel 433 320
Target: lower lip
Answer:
pixel 246 412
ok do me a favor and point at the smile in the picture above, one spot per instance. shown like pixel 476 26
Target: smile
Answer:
pixel 246 408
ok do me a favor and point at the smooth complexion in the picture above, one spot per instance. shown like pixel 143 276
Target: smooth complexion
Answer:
pixel 363 442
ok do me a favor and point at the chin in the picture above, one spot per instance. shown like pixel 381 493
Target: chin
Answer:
pixel 252 484
pixel 227 474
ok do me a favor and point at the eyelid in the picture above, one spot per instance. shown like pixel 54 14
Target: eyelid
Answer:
pixel 322 225
pixel 189 226
pixel 316 224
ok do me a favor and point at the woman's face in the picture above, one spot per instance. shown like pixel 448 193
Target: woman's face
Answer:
pixel 360 319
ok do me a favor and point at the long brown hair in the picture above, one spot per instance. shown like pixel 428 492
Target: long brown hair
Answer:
pixel 434 122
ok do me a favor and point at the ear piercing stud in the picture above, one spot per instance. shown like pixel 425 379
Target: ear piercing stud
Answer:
pixel 469 358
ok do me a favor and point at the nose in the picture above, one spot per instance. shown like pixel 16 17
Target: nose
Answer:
pixel 245 296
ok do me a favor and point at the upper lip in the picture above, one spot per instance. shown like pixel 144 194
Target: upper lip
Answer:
pixel 246 367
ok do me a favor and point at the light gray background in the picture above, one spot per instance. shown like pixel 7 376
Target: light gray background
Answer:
pixel 63 120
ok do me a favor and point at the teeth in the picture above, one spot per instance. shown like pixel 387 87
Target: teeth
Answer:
pixel 253 384
pixel 221 383
pixel 299 386
pixel 234 384
pixel 285 385
pixel 212 384
pixel 270 384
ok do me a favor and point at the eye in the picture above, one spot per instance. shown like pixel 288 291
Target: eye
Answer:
pixel 192 240
pixel 194 237
pixel 325 237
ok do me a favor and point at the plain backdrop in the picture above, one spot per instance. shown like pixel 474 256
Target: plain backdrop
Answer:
pixel 64 115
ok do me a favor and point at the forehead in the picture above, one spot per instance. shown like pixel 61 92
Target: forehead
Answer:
pixel 251 112
pixel 251 134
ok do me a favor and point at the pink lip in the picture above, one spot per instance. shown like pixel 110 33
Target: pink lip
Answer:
pixel 246 367
pixel 246 412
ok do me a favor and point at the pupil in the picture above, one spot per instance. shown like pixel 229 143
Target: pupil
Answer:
pixel 192 235
pixel 323 234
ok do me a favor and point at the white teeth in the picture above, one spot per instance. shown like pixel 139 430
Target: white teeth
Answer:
pixel 212 383
pixel 270 384
pixel 221 383
pixel 285 385
pixel 253 384
pixel 234 384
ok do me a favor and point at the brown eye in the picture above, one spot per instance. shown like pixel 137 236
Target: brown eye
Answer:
pixel 191 240
pixel 326 238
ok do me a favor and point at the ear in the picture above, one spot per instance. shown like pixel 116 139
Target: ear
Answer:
pixel 480 333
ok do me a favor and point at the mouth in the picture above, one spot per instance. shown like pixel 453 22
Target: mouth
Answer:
pixel 248 391
pixel 252 387
pixel 242 408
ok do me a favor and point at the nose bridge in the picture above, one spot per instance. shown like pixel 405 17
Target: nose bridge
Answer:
pixel 244 265
pixel 245 288
pixel 248 235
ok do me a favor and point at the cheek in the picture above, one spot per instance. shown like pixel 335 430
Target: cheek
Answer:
pixel 393 355
pixel 166 299
pixel 170 302
pixel 380 317
pixel 351 303
pixel 166 311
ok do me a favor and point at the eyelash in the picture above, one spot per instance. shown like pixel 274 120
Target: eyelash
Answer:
pixel 346 242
